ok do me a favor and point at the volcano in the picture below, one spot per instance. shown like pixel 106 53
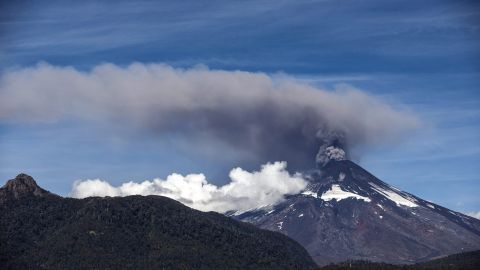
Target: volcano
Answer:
pixel 346 213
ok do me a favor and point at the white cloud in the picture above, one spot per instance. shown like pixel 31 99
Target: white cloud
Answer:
pixel 246 190
pixel 474 214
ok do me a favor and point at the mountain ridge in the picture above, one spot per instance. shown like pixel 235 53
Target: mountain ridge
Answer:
pixel 40 230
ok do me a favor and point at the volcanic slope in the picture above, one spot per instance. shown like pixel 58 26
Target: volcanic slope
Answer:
pixel 346 213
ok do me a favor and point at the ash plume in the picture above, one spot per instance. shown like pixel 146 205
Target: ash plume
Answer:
pixel 333 145
pixel 266 118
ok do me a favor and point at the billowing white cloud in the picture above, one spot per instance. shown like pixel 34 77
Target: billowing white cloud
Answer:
pixel 246 190
pixel 269 117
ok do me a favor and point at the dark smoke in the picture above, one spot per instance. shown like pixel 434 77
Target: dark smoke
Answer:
pixel 332 139
pixel 270 131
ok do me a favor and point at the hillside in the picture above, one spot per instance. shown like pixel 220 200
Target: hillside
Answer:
pixel 40 230
pixel 461 261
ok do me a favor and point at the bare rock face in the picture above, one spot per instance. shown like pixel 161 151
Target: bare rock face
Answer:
pixel 346 213
pixel 22 186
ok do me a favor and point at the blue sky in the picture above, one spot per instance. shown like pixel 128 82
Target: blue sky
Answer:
pixel 423 56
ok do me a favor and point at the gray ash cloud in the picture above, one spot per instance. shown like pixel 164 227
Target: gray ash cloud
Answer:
pixel 333 145
pixel 266 118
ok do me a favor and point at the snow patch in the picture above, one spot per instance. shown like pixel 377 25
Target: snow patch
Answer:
pixel 431 206
pixel 341 176
pixel 310 193
pixel 301 215
pixel 379 205
pixel 397 198
pixel 453 213
pixel 280 225
pixel 336 193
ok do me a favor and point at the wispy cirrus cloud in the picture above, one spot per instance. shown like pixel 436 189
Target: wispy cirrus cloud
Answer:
pixel 227 34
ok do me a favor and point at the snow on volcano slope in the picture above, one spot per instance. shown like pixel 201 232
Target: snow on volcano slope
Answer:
pixel 336 193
